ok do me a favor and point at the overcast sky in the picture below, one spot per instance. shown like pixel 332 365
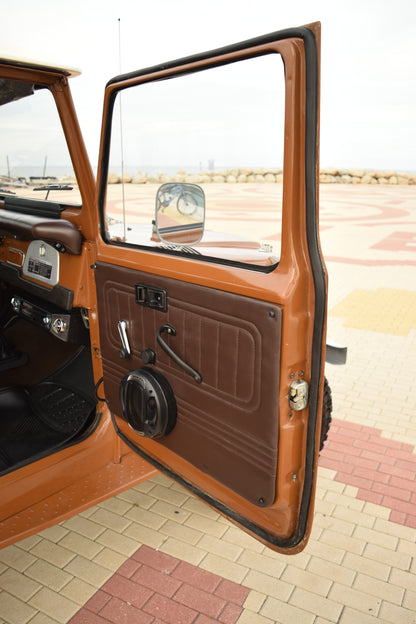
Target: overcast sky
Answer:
pixel 368 58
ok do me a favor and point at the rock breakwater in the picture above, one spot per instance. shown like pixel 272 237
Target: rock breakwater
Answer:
pixel 329 175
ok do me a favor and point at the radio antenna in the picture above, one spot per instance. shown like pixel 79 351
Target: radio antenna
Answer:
pixel 123 199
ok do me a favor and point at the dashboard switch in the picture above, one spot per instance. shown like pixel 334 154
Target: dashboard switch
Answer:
pixel 59 326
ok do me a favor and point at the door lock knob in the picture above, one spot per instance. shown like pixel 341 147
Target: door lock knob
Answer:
pixel 148 356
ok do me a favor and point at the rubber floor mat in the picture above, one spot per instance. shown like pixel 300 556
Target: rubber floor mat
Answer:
pixel 36 420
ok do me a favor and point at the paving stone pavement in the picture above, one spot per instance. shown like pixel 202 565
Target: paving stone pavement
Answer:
pixel 156 554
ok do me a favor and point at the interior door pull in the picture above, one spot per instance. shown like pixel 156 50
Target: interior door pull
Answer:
pixel 169 329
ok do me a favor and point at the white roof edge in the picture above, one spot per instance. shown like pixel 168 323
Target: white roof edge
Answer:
pixel 70 72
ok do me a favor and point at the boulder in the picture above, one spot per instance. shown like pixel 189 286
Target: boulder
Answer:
pixel 113 178
pixel 403 179
pixel 330 171
pixel 193 179
pixel 163 178
pixel 153 178
pixel 140 178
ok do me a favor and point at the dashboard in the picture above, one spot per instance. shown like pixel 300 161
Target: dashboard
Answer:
pixel 32 251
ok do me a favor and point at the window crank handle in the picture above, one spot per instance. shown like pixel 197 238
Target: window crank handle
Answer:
pixel 125 351
pixel 169 329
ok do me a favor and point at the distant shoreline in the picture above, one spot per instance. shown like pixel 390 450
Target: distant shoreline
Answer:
pixel 264 175
pixel 329 175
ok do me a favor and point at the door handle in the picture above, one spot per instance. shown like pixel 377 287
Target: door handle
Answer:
pixel 169 329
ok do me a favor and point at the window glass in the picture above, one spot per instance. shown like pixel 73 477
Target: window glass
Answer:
pixel 220 129
pixel 34 158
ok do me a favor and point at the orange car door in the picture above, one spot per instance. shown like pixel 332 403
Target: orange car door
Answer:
pixel 213 362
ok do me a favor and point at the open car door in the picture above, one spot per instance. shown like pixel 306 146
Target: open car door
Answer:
pixel 213 347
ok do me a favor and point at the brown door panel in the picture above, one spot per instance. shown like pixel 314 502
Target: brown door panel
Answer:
pixel 227 426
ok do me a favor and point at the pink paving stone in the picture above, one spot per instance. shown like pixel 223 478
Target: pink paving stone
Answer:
pixel 340 446
pixel 230 614
pixel 98 601
pixel 128 568
pixel 404 454
pixel 119 612
pixel 327 463
pixel 201 601
pixel 398 516
pixel 353 480
pixel 331 455
pixel 347 428
pixel 203 619
pixel 393 492
pixel 370 497
pixel 397 505
pixel 127 590
pixel 157 581
pixel 379 477
pixel 397 472
pixel 196 577
pixel 169 611
pixel 87 617
pixel 369 446
pixel 341 466
pixel 406 465
pixel 155 559
pixel 232 592
pixel 405 484
pixel 411 521
pixel 377 458
pixel 362 462
pixel 386 442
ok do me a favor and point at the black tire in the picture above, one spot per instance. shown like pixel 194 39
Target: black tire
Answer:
pixel 326 413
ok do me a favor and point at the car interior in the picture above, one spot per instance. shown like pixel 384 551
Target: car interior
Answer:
pixel 47 393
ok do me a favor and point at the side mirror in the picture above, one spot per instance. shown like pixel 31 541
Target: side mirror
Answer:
pixel 180 213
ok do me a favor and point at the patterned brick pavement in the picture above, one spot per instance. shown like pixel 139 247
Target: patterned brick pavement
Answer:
pixel 384 471
pixel 359 566
pixel 152 587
